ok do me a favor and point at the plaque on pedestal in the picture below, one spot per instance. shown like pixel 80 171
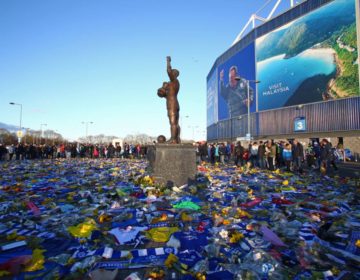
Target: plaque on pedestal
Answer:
pixel 173 164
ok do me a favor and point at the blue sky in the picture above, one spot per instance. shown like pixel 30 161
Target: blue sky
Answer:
pixel 72 61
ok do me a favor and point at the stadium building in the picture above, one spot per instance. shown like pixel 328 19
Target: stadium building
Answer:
pixel 295 75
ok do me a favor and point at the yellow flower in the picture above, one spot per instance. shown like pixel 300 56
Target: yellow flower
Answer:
pixel 37 261
pixel 226 222
pixel 157 274
pixel 161 234
pixel 235 237
pixel 84 229
pixel 243 213
pixel 104 218
pixel 4 273
pixel 357 243
pixel 225 211
pixel 171 260
pixel 185 217
pixel 200 276
pixel 12 235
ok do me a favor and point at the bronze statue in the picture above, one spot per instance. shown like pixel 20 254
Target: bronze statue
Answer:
pixel 170 90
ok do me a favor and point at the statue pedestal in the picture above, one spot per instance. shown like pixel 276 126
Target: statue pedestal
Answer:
pixel 173 164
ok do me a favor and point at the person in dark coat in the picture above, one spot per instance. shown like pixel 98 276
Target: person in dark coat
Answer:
pixel 298 155
pixel 261 155
pixel 238 153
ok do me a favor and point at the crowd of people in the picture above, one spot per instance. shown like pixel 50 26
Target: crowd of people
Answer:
pixel 70 150
pixel 290 155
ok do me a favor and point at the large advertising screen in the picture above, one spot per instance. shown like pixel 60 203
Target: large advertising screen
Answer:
pixel 212 99
pixel 235 83
pixel 313 58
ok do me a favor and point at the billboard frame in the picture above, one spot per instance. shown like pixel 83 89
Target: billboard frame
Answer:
pixel 357 17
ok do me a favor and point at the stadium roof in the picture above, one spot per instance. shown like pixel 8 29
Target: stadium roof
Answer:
pixel 256 17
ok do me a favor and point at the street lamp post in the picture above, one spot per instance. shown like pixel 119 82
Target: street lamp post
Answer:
pixel 20 131
pixel 86 129
pixel 181 123
pixel 26 134
pixel 193 130
pixel 41 131
pixel 248 135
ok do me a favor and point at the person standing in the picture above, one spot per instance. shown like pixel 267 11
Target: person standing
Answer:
pixel 117 150
pixel 287 156
pixel 298 155
pixel 3 152
pixel 222 152
pixel 261 155
pixel 111 151
pixel 254 150
pixel 328 157
pixel 11 150
pixel 203 151
pixel 316 150
pixel 228 152
pixel 270 154
pixel 212 153
pixel 239 153
pixel 217 155
pixel 20 152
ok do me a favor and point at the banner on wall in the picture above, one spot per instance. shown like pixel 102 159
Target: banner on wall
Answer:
pixel 235 83
pixel 310 59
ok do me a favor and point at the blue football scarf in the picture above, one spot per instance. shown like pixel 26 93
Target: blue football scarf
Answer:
pixel 111 265
pixel 352 248
pixel 154 256
pixel 220 275
pixel 192 240
pixel 189 257
pixel 140 258
pixel 131 222
pixel 215 264
pixel 83 252
pixel 234 252
pixel 306 233
pixel 56 246
pixel 344 253
pixel 8 255
pixel 22 230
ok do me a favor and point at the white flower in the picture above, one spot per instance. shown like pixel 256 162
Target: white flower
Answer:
pixel 224 233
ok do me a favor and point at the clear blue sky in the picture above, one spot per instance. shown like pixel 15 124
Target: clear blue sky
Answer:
pixel 69 61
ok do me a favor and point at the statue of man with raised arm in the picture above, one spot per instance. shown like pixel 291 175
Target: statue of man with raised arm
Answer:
pixel 170 90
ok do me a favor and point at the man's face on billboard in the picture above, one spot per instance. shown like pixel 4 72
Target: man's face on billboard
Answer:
pixel 232 76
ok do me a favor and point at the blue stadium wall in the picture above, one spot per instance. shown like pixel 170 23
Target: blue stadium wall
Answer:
pixel 285 107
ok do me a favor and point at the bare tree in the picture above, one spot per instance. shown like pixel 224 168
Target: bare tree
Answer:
pixel 139 139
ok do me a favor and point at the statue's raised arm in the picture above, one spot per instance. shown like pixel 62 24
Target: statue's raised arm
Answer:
pixel 173 73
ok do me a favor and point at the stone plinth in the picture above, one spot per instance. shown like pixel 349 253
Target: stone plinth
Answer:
pixel 173 164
